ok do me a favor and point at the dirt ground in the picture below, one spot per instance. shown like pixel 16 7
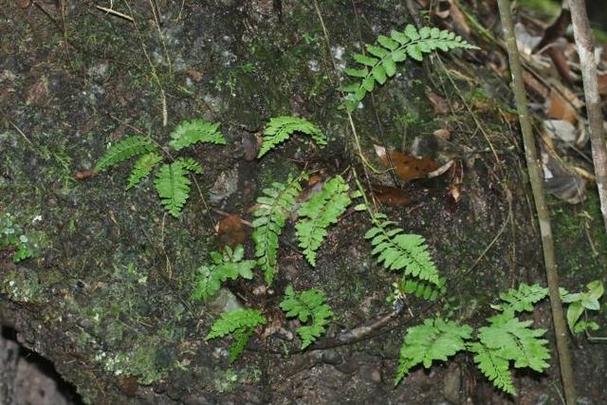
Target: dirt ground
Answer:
pixel 106 295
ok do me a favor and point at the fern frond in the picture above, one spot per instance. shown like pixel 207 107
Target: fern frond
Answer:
pixel 173 186
pixel 398 251
pixel 423 289
pixel 190 165
pixel 190 132
pixel 318 213
pixel 226 266
pixel 515 340
pixel 142 168
pixel 123 150
pixel 494 367
pixel 523 298
pixel 241 324
pixel 279 129
pixel 271 214
pixel 307 306
pixel 379 63
pixel 435 339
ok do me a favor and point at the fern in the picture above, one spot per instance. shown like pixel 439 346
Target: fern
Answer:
pixel 318 213
pixel 124 150
pixel 143 167
pixel 226 265
pixel 173 184
pixel 398 251
pixel 241 324
pixel 307 306
pixel 493 366
pixel 380 62
pixel 188 133
pixel 271 214
pixel 435 339
pixel 279 129
pixel 423 289
pixel 523 298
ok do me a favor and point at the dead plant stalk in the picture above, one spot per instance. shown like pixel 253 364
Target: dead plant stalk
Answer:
pixel 585 48
pixel 537 187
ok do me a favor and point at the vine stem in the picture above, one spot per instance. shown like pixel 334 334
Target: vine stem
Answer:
pixel 537 187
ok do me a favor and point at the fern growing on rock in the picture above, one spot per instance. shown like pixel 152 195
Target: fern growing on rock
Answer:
pixel 241 324
pixel 271 213
pixel 226 265
pixel 307 306
pixel 279 129
pixel 504 343
pixel 172 181
pixel 322 210
pixel 379 64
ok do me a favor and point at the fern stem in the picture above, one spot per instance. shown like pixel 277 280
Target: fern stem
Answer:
pixel 535 177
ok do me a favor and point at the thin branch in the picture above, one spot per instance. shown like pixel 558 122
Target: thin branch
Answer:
pixel 537 187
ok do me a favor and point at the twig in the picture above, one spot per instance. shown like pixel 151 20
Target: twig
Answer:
pixel 537 187
pixel 585 49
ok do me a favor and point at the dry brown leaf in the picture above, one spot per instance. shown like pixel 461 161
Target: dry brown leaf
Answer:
pixel 459 20
pixel 560 109
pixel 603 84
pixel 230 231
pixel 194 74
pixel 407 167
pixel 561 63
pixel 84 174
pixel 391 196
pixel 442 133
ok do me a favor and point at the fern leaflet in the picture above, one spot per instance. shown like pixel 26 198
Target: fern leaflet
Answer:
pixel 435 339
pixel 190 132
pixel 380 62
pixel 423 289
pixel 226 265
pixel 123 150
pixel 279 129
pixel 523 298
pixel 307 306
pixel 241 324
pixel 494 367
pixel 318 213
pixel 173 185
pixel 271 214
pixel 398 251
pixel 142 168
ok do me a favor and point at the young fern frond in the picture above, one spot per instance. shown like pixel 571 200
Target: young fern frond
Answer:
pixel 435 339
pixel 188 133
pixel 318 213
pixel 143 167
pixel 523 298
pixel 226 266
pixel 271 214
pixel 398 251
pixel 123 150
pixel 308 305
pixel 241 324
pixel 173 185
pixel 380 62
pixel 279 129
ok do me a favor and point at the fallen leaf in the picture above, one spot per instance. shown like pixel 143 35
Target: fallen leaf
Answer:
pixel 560 129
pixel 84 174
pixel 602 84
pixel 560 109
pixel 439 104
pixel 561 63
pixel 230 231
pixel 407 167
pixel 442 133
pixel 391 196
pixel 194 74
pixel 459 20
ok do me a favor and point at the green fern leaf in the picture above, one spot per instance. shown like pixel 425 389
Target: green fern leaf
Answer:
pixel 494 367
pixel 318 213
pixel 142 168
pixel 226 266
pixel 279 129
pixel 173 185
pixel 123 150
pixel 190 132
pixel 271 214
pixel 424 290
pixel 307 306
pixel 523 298
pixel 241 324
pixel 515 340
pixel 435 339
pixel 398 251
pixel 387 51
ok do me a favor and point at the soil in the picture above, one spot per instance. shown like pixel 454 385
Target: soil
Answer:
pixel 106 295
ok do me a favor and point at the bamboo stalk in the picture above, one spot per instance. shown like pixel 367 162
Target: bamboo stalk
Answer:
pixel 537 187
pixel 585 48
